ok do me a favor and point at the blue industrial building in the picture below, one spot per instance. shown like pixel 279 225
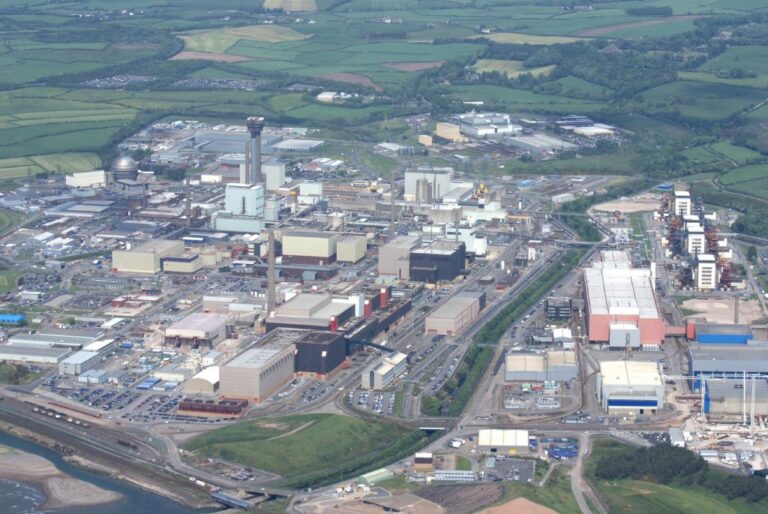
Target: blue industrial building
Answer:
pixel 711 333
pixel 728 361
pixel 11 319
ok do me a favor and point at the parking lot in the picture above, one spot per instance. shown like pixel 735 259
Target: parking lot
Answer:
pixel 382 403
pixel 162 408
pixel 99 398
pixel 514 470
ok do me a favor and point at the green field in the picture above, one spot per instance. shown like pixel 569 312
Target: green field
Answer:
pixel 639 496
pixel 745 174
pixel 511 69
pixel 307 448
pixel 8 219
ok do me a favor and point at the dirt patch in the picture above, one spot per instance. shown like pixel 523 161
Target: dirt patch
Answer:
pixel 519 505
pixel 600 31
pixel 640 203
pixel 414 66
pixel 352 78
pixel 207 56
pixel 297 429
pixel 721 310
pixel 462 499
pixel 271 425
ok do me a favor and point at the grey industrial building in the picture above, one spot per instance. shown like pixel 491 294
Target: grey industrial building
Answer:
pixel 56 338
pixel 440 261
pixel 731 400
pixel 559 308
pixel 630 387
pixel 32 354
pixel 319 354
pixel 729 361
pixel 197 329
pixel 79 362
pixel 311 311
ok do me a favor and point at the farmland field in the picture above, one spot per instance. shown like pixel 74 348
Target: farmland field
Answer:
pixel 291 5
pixel 511 69
pixel 219 41
pixel 528 39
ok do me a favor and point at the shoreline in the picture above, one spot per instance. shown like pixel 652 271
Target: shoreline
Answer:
pixel 85 462
pixel 61 490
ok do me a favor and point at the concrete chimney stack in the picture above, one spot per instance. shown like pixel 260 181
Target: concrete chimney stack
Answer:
pixel 255 125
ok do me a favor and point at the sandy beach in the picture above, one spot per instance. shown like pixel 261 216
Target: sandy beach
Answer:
pixel 61 490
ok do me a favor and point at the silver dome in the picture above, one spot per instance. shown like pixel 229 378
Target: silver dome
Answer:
pixel 125 164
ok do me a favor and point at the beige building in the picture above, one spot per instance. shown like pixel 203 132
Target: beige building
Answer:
pixel 96 178
pixel 258 373
pixel 351 248
pixel 425 139
pixel 304 247
pixel 197 329
pixel 449 132
pixel 146 258
pixel 205 382
pixel 455 315
pixel 394 257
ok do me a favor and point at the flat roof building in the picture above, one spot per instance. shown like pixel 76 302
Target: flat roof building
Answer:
pixel 503 438
pixel 383 374
pixel 441 260
pixel 146 258
pixel 306 247
pixel 32 354
pixel 257 373
pixel 455 315
pixel 728 361
pixel 617 296
pixel 79 362
pixel 351 248
pixel 630 386
pixel 312 311
pixel 197 329
pixel 56 338
pixel 555 365
pixel 319 354
pixel 394 257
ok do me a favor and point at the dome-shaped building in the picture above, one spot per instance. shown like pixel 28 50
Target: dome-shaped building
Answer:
pixel 125 168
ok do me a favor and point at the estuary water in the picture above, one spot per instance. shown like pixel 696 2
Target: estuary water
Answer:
pixel 18 498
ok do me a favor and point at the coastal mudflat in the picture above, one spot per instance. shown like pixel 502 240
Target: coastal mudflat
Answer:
pixel 61 491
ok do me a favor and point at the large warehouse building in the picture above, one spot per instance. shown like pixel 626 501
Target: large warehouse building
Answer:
pixel 620 304
pixel 517 440
pixel 351 248
pixel 319 354
pixel 556 365
pixel 146 258
pixel 731 400
pixel 257 373
pixel 56 338
pixel 394 257
pixel 312 311
pixel 728 361
pixel 455 315
pixel 32 354
pixel 304 247
pixel 198 329
pixel 630 387
pixel 442 260
pixel 205 382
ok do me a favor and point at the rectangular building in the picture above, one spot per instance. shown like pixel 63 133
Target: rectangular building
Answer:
pixel 382 375
pixel 319 354
pixel 706 272
pixel 197 329
pixel 617 295
pixel 351 248
pixel 438 182
pixel 682 203
pixel 79 362
pixel 32 354
pixel 312 311
pixel 257 373
pixel 146 258
pixel 559 308
pixel 56 338
pixel 305 247
pixel 503 438
pixel 394 257
pixel 440 261
pixel 455 315
pixel 630 387
pixel 728 361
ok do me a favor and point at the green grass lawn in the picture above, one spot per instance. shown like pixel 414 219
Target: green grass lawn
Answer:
pixel 463 463
pixel 305 446
pixel 556 493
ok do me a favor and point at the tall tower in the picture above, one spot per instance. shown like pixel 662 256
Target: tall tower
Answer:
pixel 271 286
pixel 188 200
pixel 255 125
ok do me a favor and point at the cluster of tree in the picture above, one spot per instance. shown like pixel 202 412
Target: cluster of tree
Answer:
pixel 662 463
pixel 666 464
pixel 754 221
pixel 14 374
